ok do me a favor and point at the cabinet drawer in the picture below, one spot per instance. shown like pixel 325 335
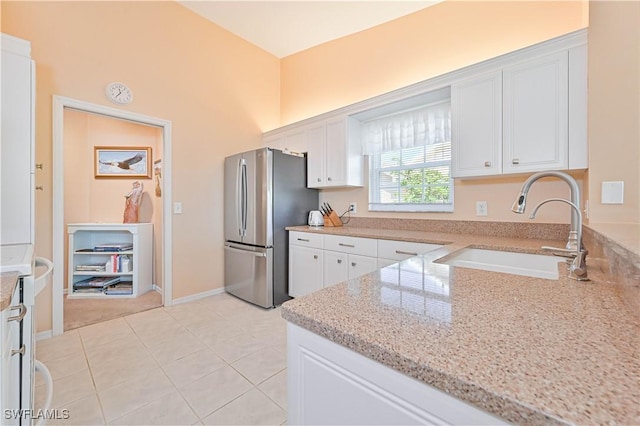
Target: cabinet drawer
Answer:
pixel 305 239
pixel 351 245
pixel 399 250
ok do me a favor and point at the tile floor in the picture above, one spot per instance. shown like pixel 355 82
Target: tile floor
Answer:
pixel 214 361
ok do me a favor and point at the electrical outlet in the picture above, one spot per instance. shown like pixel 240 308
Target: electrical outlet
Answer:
pixel 481 208
pixel 353 208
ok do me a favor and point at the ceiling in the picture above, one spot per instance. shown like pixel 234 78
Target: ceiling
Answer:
pixel 286 27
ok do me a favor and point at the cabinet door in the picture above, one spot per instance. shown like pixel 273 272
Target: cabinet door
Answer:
pixel 274 141
pixel 295 141
pixel 305 270
pixel 536 115
pixel 17 165
pixel 476 126
pixel 360 265
pixel 316 157
pixel 335 267
pixel 336 154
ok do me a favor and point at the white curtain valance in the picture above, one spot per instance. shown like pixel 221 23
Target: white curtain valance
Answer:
pixel 416 127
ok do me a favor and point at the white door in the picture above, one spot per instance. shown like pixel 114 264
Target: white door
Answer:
pixel 360 265
pixel 536 115
pixel 476 126
pixel 335 267
pixel 305 270
pixel 336 153
pixel 315 157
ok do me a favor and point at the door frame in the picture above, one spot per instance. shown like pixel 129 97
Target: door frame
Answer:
pixel 59 105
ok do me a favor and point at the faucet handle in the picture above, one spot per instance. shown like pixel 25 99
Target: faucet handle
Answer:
pixel 557 250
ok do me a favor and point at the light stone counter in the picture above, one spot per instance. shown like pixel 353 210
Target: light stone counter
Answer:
pixel 529 350
pixel 7 287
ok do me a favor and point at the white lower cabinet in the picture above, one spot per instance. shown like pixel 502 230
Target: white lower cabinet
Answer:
pixel 340 267
pixel 305 270
pixel 329 384
pixel 335 269
pixel 317 261
pixel 305 263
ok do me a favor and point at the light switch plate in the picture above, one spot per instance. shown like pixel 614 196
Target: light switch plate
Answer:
pixel 613 192
pixel 177 208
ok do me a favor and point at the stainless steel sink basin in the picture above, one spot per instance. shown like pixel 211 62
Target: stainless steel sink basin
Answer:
pixel 527 264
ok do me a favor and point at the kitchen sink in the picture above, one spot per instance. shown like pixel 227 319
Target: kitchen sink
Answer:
pixel 527 264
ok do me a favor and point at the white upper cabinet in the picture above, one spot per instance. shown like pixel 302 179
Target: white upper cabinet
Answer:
pixel 17 142
pixel 536 114
pixel 578 148
pixel 317 148
pixel 333 147
pixel 476 126
pixel 291 141
pixel 525 114
pixel 335 156
pixel 522 112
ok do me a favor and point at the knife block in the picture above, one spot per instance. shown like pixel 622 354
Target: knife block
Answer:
pixel 332 219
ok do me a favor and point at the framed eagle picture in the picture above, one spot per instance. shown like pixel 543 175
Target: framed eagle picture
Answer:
pixel 122 162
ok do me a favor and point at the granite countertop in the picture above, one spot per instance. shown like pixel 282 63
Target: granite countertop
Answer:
pixel 529 350
pixel 7 287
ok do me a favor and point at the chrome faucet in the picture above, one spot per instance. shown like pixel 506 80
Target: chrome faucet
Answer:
pixel 519 204
pixel 578 267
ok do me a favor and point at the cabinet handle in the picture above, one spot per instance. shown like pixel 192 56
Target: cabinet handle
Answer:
pixel 315 256
pixel 40 188
pixel 487 163
pixel 18 351
pixel 515 161
pixel 329 179
pixel 20 316
pixel 319 180
pixel 303 239
pixel 339 260
pixel 353 263
pixel 346 245
pixel 406 252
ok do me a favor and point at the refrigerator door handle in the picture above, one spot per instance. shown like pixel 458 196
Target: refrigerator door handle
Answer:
pixel 243 166
pixel 249 252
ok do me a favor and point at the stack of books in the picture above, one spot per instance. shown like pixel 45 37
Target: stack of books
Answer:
pixel 113 247
pixel 91 267
pixel 123 287
pixel 94 284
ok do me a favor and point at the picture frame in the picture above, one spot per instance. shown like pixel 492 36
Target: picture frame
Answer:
pixel 122 162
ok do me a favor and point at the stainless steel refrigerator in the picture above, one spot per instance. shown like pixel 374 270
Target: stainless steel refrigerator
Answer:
pixel 264 191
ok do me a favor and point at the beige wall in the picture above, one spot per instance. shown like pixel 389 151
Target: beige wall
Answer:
pixel 614 108
pixel 219 91
pixel 439 39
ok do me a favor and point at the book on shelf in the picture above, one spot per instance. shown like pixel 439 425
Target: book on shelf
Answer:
pixel 123 287
pixel 96 282
pixel 92 290
pixel 113 247
pixel 93 267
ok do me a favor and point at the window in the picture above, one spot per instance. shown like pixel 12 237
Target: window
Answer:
pixel 412 179
pixel 410 159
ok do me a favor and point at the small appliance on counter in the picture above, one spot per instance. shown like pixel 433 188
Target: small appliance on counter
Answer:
pixel 315 218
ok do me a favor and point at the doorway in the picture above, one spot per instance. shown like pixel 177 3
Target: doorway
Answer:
pixel 150 131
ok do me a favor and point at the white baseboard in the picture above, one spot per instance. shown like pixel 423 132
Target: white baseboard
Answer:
pixel 198 296
pixel 156 288
pixel 43 335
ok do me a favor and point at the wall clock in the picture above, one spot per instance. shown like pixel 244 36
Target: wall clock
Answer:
pixel 119 93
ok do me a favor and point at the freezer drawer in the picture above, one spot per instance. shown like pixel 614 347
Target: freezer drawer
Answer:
pixel 248 273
